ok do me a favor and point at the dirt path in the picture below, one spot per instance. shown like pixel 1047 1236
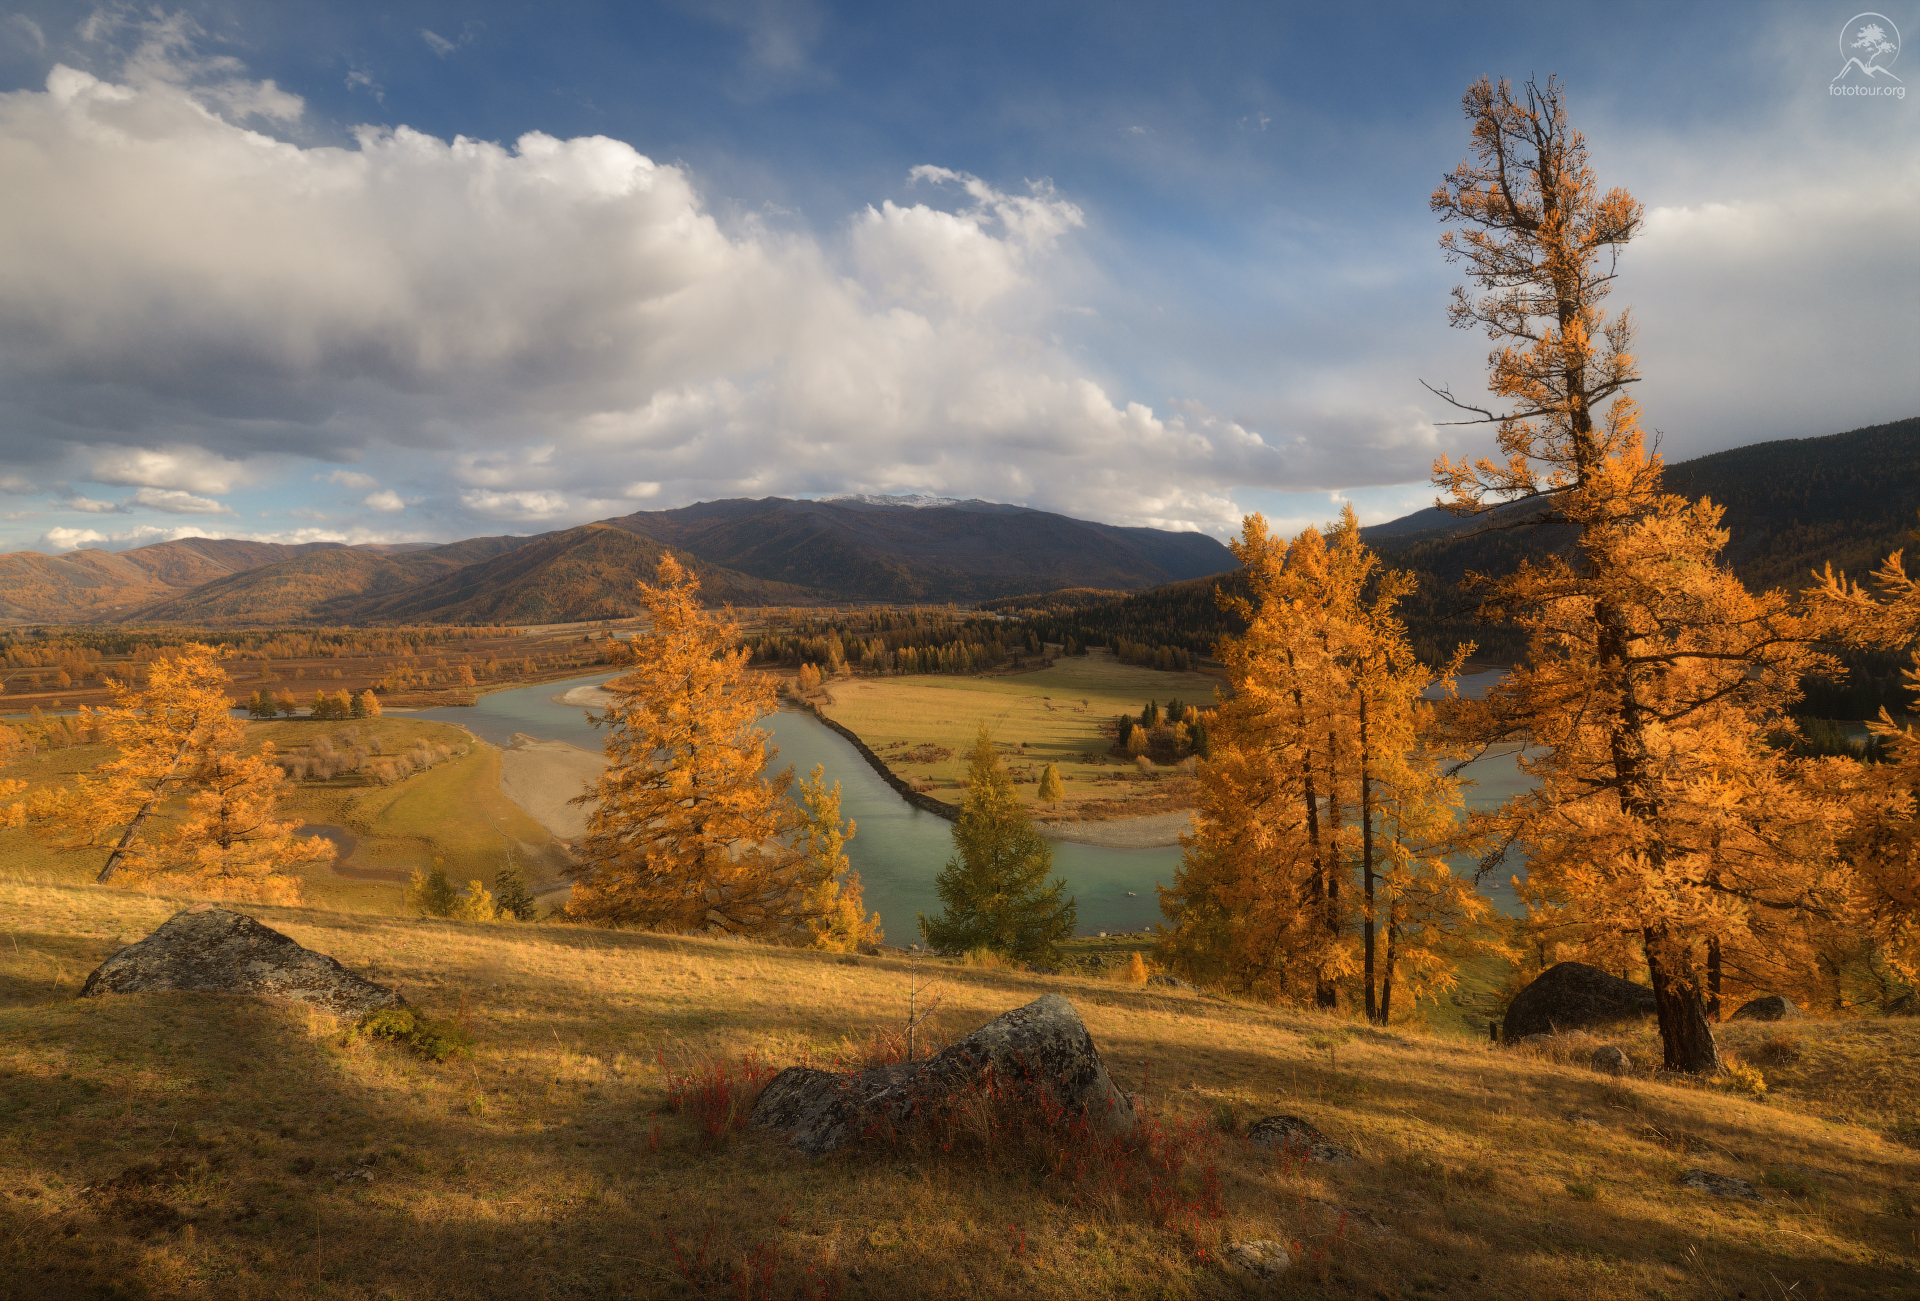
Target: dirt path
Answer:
pixel 541 776
pixel 1151 832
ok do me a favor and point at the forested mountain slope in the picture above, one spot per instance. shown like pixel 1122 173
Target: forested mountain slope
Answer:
pixel 960 551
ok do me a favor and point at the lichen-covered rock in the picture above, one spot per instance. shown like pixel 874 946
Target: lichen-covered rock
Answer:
pixel 210 950
pixel 1612 1060
pixel 1292 1134
pixel 1774 1007
pixel 1043 1045
pixel 1720 1185
pixel 1573 996
pixel 1260 1257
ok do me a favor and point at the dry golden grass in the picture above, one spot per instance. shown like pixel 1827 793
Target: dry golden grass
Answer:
pixel 1053 715
pixel 196 1146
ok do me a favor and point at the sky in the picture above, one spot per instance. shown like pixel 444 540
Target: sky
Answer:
pixel 418 272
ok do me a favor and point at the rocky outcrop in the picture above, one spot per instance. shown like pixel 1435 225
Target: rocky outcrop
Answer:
pixel 210 950
pixel 1042 1046
pixel 1774 1007
pixel 1294 1135
pixel 1573 996
pixel 1259 1257
pixel 1705 1181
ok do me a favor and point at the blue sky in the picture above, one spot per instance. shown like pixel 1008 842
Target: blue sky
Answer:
pixel 302 271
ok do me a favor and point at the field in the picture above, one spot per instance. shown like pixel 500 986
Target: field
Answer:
pixel 452 813
pixel 1061 714
pixel 196 1146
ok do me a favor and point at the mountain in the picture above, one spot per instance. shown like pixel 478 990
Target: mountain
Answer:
pixel 583 573
pixel 1791 506
pixel 878 550
pixel 107 586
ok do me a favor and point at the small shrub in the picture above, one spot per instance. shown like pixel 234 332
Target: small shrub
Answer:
pixel 430 893
pixel 716 1097
pixel 476 906
pixel 1137 971
pixel 1774 1050
pixel 1586 1192
pixel 1330 1042
pixel 434 1040
pixel 1225 1118
pixel 1743 1078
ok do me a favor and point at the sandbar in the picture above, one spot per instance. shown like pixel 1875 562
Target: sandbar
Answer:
pixel 542 776
pixel 591 697
pixel 1152 832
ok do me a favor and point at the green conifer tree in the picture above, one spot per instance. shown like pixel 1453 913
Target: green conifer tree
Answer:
pixel 995 887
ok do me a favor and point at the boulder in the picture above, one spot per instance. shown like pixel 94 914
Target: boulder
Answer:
pixel 1040 1046
pixel 1573 996
pixel 1706 1181
pixel 1292 1134
pixel 1612 1060
pixel 1774 1007
pixel 210 950
pixel 1260 1257
pixel 1172 982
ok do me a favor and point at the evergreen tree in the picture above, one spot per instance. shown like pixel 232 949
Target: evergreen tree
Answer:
pixel 511 894
pixel 836 918
pixel 995 886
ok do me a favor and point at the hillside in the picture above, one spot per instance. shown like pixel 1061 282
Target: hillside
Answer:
pixel 584 573
pixel 1791 506
pixel 188 1145
pixel 93 586
pixel 962 551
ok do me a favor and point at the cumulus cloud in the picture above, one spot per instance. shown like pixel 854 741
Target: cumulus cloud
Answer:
pixel 89 506
pixel 462 295
pixel 198 299
pixel 174 502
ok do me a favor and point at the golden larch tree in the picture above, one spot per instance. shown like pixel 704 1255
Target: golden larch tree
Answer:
pixel 1661 815
pixel 180 803
pixel 688 831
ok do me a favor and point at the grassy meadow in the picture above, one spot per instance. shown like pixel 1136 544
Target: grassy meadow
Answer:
pixel 923 725
pixel 199 1146
pixel 453 812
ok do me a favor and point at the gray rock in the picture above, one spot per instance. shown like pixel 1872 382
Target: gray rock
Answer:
pixel 210 950
pixel 1612 1060
pixel 1292 1134
pixel 1261 1257
pixel 1706 1181
pixel 1043 1045
pixel 1774 1007
pixel 1171 982
pixel 1573 996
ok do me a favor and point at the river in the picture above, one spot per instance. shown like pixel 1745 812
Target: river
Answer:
pixel 897 848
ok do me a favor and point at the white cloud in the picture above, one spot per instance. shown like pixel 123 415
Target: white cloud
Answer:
pixel 194 302
pixel 188 469
pixel 440 45
pixel 92 507
pixel 177 503
pixel 515 505
pixel 64 539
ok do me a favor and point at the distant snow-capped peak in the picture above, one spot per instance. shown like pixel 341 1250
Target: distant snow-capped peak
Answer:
pixel 914 499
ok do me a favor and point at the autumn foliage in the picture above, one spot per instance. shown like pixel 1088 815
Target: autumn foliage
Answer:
pixel 688 831
pixel 181 804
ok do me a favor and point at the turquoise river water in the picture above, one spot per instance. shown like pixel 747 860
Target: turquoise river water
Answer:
pixel 897 848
